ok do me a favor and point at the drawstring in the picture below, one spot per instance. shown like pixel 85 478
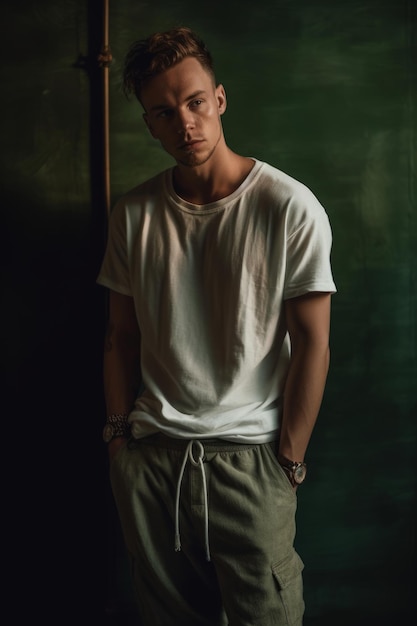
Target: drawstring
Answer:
pixel 197 463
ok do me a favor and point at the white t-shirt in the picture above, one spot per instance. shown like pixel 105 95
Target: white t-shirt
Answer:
pixel 208 283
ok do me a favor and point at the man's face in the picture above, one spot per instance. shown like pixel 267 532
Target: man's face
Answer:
pixel 183 109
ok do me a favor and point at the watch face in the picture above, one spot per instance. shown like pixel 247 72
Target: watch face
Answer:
pixel 300 473
pixel 108 433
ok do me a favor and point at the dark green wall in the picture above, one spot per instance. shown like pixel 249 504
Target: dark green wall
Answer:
pixel 325 91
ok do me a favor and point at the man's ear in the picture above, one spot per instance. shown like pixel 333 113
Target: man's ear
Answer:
pixel 221 99
pixel 148 124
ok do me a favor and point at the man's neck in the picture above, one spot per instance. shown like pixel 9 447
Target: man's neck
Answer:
pixel 211 181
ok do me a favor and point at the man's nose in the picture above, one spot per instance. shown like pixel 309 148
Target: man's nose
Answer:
pixel 185 121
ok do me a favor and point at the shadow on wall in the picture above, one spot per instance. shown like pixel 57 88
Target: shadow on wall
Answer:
pixel 53 329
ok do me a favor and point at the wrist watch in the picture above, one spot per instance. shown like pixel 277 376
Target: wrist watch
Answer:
pixel 295 470
pixel 116 426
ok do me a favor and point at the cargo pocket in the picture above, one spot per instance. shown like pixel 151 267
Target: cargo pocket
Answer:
pixel 287 574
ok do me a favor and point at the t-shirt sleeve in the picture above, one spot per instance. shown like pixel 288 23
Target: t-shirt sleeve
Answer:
pixel 114 272
pixel 309 246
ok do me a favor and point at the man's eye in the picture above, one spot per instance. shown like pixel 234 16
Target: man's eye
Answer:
pixel 163 114
pixel 196 103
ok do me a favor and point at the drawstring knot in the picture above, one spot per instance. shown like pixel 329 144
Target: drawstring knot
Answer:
pixel 189 456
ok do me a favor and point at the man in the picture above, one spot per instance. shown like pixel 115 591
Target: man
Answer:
pixel 220 284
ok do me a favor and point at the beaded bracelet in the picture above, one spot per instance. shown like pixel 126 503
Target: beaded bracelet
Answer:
pixel 116 426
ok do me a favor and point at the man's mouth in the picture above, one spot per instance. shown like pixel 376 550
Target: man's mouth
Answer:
pixel 190 145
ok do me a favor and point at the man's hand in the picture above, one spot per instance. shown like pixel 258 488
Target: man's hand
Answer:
pixel 115 445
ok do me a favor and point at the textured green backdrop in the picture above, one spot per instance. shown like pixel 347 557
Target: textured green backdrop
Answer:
pixel 324 90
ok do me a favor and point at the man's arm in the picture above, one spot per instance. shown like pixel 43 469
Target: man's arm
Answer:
pixel 308 322
pixel 121 360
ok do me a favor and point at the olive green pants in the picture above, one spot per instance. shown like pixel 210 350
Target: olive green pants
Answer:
pixel 230 503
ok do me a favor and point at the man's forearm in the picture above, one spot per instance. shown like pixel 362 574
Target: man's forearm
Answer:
pixel 302 397
pixel 121 372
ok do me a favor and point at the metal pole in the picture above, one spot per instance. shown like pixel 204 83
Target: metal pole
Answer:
pixel 105 59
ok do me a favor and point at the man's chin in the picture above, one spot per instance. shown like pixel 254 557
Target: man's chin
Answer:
pixel 192 162
pixel 193 159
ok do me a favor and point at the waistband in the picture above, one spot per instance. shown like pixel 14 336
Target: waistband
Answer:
pixel 210 445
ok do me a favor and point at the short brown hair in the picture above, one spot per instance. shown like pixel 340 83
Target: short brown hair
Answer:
pixel 148 57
